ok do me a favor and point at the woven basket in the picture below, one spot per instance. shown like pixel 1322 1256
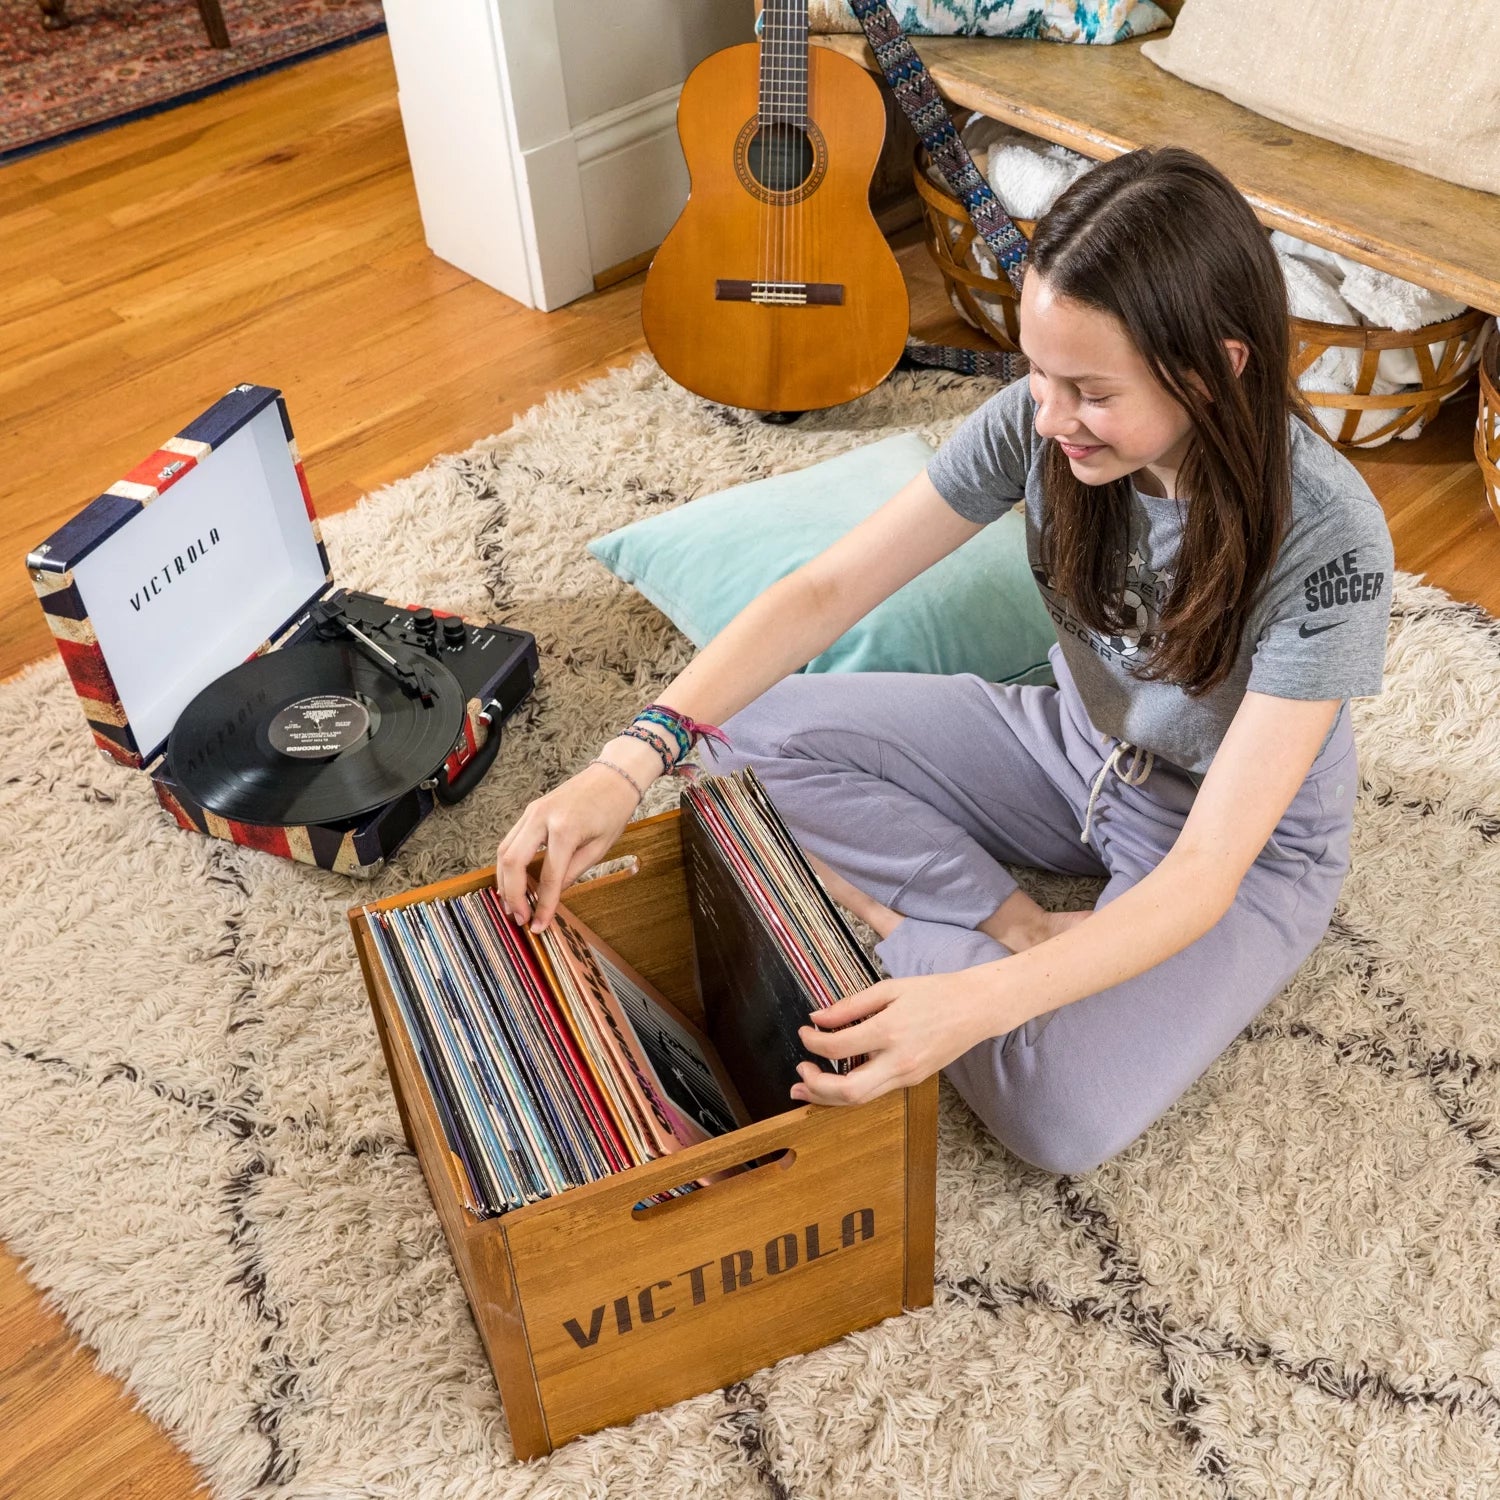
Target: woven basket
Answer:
pixel 981 293
pixel 1444 352
pixel 1487 429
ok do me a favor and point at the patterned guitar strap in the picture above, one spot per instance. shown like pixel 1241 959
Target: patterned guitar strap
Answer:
pixel 918 96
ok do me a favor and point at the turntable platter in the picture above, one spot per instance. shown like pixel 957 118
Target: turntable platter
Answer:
pixel 314 733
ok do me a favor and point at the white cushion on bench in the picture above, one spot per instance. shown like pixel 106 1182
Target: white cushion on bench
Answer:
pixel 1414 83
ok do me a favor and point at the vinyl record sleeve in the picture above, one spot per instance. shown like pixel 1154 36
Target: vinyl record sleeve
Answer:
pixel 461 1149
pixel 672 1057
pixel 598 1092
pixel 587 989
pixel 539 1071
pixel 543 1046
pixel 494 1149
pixel 791 881
pixel 494 1061
pixel 528 1070
pixel 588 1092
pixel 758 918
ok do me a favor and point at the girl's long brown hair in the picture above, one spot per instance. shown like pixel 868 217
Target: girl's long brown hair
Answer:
pixel 1162 241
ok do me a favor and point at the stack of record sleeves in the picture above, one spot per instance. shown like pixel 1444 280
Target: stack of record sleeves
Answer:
pixel 771 945
pixel 550 1061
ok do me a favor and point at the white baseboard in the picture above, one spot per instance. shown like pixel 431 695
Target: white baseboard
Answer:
pixel 632 176
pixel 622 127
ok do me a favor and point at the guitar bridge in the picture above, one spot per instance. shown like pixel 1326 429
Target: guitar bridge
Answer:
pixel 781 293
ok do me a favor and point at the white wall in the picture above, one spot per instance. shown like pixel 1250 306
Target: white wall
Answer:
pixel 616 52
pixel 623 64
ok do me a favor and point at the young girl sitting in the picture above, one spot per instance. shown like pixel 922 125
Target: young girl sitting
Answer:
pixel 1220 581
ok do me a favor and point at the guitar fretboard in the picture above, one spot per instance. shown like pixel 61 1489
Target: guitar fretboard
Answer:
pixel 783 63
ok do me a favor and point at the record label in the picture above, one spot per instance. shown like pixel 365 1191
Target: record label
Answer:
pixel 319 727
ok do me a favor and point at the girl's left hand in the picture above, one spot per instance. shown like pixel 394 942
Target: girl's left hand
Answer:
pixel 906 1028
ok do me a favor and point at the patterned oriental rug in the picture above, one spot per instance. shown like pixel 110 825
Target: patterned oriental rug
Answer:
pixel 1290 1286
pixel 118 61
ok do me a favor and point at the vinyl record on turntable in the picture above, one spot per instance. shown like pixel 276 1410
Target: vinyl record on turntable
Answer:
pixel 314 733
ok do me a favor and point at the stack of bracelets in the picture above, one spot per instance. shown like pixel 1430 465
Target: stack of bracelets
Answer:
pixel 671 734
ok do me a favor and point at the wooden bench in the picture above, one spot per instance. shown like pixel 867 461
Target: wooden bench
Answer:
pixel 1104 101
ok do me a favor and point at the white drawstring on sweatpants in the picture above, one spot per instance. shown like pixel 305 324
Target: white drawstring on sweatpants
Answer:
pixel 1133 775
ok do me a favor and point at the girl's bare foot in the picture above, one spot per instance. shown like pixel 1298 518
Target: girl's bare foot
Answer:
pixel 1060 921
pixel 881 919
pixel 1019 923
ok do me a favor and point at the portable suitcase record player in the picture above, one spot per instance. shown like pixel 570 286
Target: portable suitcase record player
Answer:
pixel 194 608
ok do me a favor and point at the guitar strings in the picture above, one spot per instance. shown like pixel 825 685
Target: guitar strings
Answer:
pixel 800 63
pixel 797 65
pixel 774 148
pixel 783 101
pixel 792 152
pixel 797 114
pixel 779 73
pixel 762 263
pixel 769 153
pixel 763 238
pixel 793 145
pixel 783 128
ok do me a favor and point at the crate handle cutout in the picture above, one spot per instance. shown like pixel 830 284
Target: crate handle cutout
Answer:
pixel 781 1159
pixel 625 866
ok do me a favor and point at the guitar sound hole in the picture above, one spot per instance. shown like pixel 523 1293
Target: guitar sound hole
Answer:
pixel 781 158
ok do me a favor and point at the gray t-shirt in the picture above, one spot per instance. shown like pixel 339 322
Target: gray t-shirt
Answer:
pixel 1316 630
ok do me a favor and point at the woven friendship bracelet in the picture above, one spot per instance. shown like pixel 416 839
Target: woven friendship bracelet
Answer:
pixel 691 727
pixel 654 716
pixel 602 760
pixel 648 736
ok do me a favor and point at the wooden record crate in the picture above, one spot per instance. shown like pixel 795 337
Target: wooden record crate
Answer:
pixel 594 1309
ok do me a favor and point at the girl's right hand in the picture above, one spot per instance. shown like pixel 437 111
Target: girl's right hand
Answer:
pixel 576 823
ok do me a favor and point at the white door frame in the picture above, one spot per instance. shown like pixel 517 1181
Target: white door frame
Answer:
pixel 512 191
pixel 544 153
pixel 486 120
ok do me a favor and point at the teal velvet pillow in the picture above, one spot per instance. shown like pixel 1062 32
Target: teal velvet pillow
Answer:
pixel 978 610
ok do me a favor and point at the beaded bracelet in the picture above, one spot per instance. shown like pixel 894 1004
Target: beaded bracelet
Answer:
pixel 602 760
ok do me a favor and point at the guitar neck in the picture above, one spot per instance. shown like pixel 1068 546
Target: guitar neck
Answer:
pixel 783 63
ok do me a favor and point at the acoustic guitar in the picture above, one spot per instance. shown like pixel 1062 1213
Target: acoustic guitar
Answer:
pixel 775 290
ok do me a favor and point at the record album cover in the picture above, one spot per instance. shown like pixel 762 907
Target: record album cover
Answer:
pixel 771 947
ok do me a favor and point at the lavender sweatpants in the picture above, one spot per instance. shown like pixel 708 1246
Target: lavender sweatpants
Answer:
pixel 915 788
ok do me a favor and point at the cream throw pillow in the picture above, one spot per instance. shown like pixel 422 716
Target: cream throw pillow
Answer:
pixel 1417 84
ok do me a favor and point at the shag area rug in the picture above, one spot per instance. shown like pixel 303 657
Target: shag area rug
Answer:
pixel 118 60
pixel 1290 1286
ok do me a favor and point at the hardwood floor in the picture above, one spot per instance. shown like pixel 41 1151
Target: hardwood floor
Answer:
pixel 267 234
pixel 271 234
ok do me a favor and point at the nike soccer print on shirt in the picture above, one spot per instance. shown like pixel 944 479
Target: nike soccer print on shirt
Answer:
pixel 1340 581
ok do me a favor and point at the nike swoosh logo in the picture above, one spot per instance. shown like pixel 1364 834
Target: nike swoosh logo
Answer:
pixel 1305 630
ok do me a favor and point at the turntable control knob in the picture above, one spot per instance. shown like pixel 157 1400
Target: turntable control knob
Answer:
pixel 424 622
pixel 455 633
